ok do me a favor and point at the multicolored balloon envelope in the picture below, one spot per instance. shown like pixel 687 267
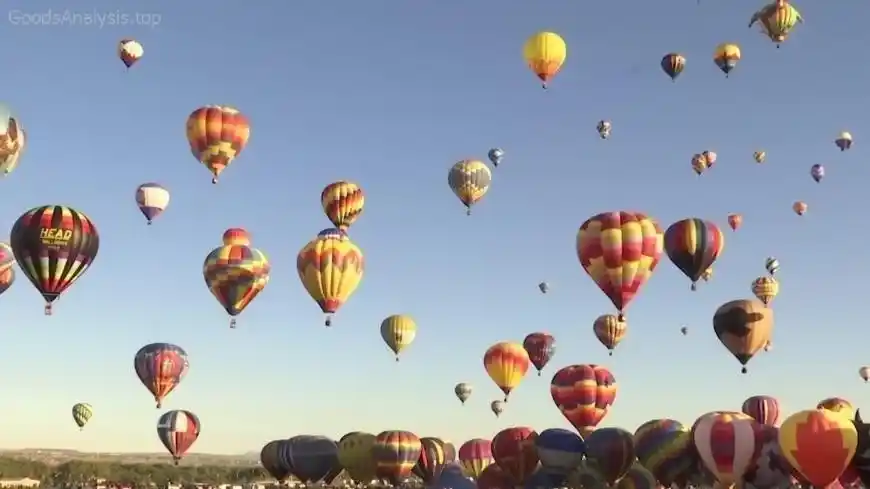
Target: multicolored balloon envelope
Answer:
pixel 217 134
pixel 818 444
pixel 693 245
pixel 514 451
pixel 160 367
pixel 432 459
pixel 583 394
pixel 506 363
pixel 395 453
pixel 330 268
pixel 178 430
pixel 744 327
pixel 541 347
pixel 612 452
pixel 665 448
pixel 637 477
pixel 559 450
pixel 764 409
pixel 342 202
pixel 152 200
pixel 236 272
pixel 475 456
pixel 728 443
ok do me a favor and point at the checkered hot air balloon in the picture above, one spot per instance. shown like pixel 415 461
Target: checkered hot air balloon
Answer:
pixel 217 134
pixel 583 394
pixel 728 443
pixel 506 363
pixel 396 453
pixel 620 251
pixel 330 267
pixel 819 444
pixel 515 453
pixel 342 202
pixel 178 430
pixel 236 272
pixel 82 413
pixel 54 246
pixel 469 180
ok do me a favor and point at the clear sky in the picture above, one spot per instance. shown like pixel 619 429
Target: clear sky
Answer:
pixel 390 94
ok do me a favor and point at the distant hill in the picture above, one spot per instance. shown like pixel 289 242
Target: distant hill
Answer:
pixel 53 456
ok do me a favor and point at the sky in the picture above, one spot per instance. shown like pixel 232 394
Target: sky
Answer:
pixel 390 94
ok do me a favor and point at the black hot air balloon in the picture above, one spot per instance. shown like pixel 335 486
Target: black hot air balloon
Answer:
pixel 54 245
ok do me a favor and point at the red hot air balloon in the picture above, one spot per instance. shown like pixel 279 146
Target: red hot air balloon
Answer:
pixel 515 453
pixel 584 394
pixel 728 444
pixel 764 409
pixel 160 367
pixel 396 453
pixel 178 430
pixel 475 456
pixel 493 477
pixel 540 347
pixel 433 456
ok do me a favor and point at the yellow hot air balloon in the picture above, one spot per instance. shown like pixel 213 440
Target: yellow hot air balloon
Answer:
pixel 217 134
pixel 355 455
pixel 726 57
pixel 759 156
pixel 330 267
pixel 507 364
pixel 610 331
pixel 469 180
pixel 342 202
pixel 765 289
pixel 838 406
pixel 398 332
pixel 777 20
pixel 545 53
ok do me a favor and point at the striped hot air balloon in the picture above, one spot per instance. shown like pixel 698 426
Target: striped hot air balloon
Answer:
pixel 728 444
pixel 693 245
pixel 612 452
pixel 584 394
pixel 270 459
pixel 178 430
pixel 819 444
pixel 475 456
pixel 506 363
pixel 342 202
pixel 395 453
pixel 560 451
pixel 515 453
pixel 236 272
pixel 432 459
pixel 764 409
pixel 665 448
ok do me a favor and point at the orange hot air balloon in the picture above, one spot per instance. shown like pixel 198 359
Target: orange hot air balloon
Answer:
pixel 620 251
pixel 819 444
pixel 507 364
pixel 584 394
pixel 799 208
pixel 217 134
pixel 735 220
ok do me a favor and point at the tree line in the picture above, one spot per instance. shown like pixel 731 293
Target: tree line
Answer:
pixel 80 473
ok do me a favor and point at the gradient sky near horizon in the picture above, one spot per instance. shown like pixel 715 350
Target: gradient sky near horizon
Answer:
pixel 390 94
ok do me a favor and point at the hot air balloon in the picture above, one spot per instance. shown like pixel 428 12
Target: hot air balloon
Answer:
pixel 7 278
pixel 493 477
pixel 728 444
pixel 545 53
pixel 475 456
pixel 312 457
pixel 514 452
pixel 13 140
pixel 152 200
pixel 497 407
pixel 604 128
pixel 771 264
pixel 469 180
pixel 507 364
pixel 726 57
pixel 463 391
pixel 217 134
pixel 541 347
pixel 54 246
pixel 583 394
pixel 396 453
pixel 744 327
pixel 693 245
pixel 764 409
pixel 160 367
pixel 178 430
pixel 768 346
pixel 82 413
pixel 544 287
pixel 777 20
pixel 818 444
pixel 611 451
pixel 843 141
pixel 586 475
pixel 707 275
pixel 398 332
pixel 130 51
pixel 765 289
pixel 610 330
pixel 356 456
pixel 236 272
pixel 684 330
pixel 560 451
pixel 432 459
pixel 673 64
pixel 330 267
pixel 864 372
pixel 799 208
pixel 637 477
pixel 838 406
pixel 495 155
pixel 270 459
pixel 759 156
pixel 710 157
pixel 699 164
pixel 665 448
pixel 735 220
pixel 342 202
pixel 619 251
pixel 817 172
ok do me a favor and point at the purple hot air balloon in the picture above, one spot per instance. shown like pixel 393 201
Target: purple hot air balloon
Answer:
pixel 817 172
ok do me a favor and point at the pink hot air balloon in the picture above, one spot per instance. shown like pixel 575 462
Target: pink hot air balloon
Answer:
pixel 728 444
pixel 475 456
pixel 764 409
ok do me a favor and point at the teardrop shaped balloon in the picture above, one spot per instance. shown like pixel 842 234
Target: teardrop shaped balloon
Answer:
pixel 764 409
pixel 818 444
pixel 236 272
pixel 396 452
pixel 506 363
pixel 178 430
pixel 744 327
pixel 152 200
pixel 610 331
pixel 343 202
pixel 728 444
pixel 693 245
pixel 82 413
pixel 160 367
pixel 583 394
pixel 514 452
pixel 217 134
pixel 541 347
pixel 330 268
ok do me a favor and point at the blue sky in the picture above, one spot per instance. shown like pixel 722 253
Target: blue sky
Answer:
pixel 390 94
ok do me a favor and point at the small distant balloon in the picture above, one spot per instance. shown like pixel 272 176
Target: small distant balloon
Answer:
pixel 817 172
pixel 544 287
pixel 759 156
pixel 604 128
pixel 495 156
pixel 497 407
pixel 844 141
pixel 800 208
pixel 130 51
pixel 771 264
